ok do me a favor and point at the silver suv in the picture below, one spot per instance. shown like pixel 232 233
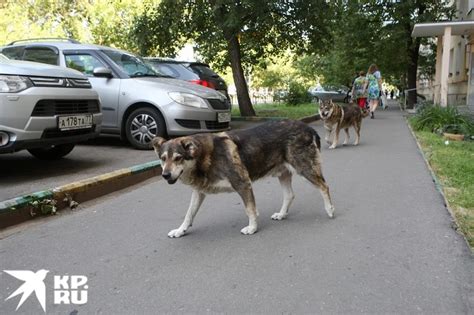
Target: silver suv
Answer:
pixel 45 109
pixel 137 102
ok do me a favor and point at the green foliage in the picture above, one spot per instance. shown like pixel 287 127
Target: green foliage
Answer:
pixel 453 165
pixel 298 94
pixel 264 28
pixel 436 118
pixel 102 22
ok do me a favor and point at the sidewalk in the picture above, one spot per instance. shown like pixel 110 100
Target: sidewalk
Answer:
pixel 390 249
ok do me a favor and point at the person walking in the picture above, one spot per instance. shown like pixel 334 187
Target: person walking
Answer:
pixel 373 87
pixel 358 90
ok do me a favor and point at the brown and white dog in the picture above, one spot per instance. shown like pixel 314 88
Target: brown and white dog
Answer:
pixel 231 161
pixel 336 117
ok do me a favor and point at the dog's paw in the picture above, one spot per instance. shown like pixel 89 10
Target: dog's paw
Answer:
pixel 176 233
pixel 356 143
pixel 330 212
pixel 248 230
pixel 278 216
pixel 332 146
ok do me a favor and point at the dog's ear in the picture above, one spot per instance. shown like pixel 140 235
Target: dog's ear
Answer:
pixel 191 147
pixel 157 142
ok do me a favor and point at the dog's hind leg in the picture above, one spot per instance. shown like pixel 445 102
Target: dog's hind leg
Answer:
pixel 316 178
pixel 346 130
pixel 288 195
pixel 306 161
pixel 196 200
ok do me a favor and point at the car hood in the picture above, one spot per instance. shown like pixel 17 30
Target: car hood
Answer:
pixel 180 86
pixel 26 68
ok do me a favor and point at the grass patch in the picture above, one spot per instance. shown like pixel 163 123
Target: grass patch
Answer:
pixel 282 110
pixel 454 167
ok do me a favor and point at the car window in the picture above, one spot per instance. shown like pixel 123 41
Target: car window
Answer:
pixel 84 63
pixel 132 65
pixel 41 55
pixel 201 69
pixel 175 70
pixel 13 52
pixel 165 69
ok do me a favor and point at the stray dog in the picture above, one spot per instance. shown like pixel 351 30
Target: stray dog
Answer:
pixel 336 117
pixel 230 161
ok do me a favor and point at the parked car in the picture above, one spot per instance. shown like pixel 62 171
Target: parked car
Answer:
pixel 45 109
pixel 137 102
pixel 195 72
pixel 337 94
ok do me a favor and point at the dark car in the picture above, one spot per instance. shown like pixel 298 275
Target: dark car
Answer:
pixel 195 72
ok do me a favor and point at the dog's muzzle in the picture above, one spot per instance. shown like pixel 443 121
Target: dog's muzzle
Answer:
pixel 167 177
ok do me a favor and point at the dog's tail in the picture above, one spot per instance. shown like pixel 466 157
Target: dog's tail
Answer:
pixel 310 119
pixel 316 138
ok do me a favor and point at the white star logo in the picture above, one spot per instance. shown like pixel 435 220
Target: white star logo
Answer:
pixel 33 282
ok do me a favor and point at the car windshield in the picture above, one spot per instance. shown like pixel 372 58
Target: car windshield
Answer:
pixel 132 65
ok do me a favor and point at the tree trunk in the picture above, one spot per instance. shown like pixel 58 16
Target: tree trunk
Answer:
pixel 245 105
pixel 412 68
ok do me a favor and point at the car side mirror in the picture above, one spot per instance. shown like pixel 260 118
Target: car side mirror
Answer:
pixel 102 72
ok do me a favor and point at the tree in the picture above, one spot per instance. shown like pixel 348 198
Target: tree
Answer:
pixel 401 17
pixel 241 33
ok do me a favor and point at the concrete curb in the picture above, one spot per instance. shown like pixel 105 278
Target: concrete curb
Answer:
pixel 19 209
pixel 437 183
pixel 255 118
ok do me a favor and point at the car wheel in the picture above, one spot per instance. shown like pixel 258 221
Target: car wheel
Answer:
pixel 52 153
pixel 142 125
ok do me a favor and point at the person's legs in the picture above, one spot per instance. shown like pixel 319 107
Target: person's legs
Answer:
pixel 373 106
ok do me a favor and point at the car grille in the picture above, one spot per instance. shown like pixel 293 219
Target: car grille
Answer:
pixel 56 133
pixel 218 104
pixel 213 125
pixel 61 82
pixel 189 123
pixel 63 107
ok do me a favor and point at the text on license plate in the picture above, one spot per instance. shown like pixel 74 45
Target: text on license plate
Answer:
pixel 74 122
pixel 223 117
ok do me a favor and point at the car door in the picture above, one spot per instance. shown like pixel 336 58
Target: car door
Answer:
pixel 108 88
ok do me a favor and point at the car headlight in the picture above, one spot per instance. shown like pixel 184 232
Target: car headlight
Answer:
pixel 188 99
pixel 13 83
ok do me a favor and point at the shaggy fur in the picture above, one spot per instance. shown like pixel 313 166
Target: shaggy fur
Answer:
pixel 231 161
pixel 336 117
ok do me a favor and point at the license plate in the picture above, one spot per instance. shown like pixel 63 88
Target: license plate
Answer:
pixel 74 122
pixel 223 117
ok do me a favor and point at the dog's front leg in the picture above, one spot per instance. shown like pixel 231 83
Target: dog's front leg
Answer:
pixel 328 133
pixel 336 137
pixel 246 193
pixel 196 200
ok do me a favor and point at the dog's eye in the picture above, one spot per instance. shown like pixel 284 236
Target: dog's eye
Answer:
pixel 178 158
pixel 163 158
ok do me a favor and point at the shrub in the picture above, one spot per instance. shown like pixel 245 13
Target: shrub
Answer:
pixel 440 119
pixel 298 94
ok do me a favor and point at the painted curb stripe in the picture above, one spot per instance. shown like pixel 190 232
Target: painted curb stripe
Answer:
pixel 79 186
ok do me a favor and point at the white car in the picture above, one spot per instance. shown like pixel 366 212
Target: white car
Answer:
pixel 45 109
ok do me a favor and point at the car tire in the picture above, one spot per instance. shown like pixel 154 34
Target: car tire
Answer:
pixel 142 125
pixel 52 153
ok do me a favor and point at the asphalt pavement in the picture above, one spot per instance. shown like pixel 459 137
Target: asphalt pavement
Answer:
pixel 391 248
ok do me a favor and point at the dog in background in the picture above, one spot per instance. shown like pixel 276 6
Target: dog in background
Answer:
pixel 231 161
pixel 336 117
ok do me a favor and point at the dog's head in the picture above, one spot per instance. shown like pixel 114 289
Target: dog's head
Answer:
pixel 176 155
pixel 326 107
